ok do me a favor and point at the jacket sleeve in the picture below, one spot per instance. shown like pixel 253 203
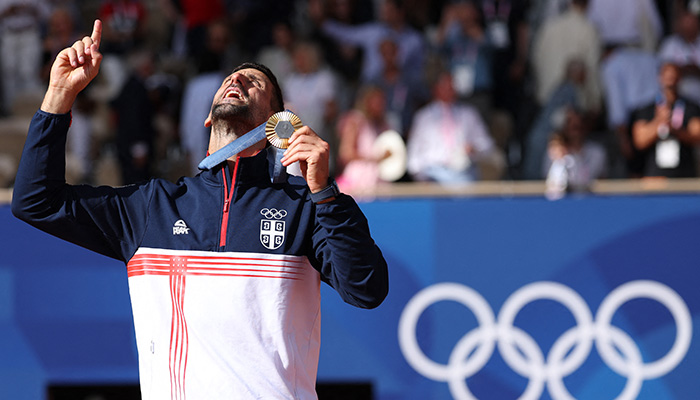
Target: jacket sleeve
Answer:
pixel 350 260
pixel 107 220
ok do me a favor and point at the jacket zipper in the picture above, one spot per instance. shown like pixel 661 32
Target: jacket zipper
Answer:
pixel 228 196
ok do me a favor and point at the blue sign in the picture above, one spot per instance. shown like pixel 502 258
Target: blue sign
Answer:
pixel 490 298
pixel 505 298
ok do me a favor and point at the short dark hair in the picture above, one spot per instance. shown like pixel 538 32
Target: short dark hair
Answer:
pixel 277 100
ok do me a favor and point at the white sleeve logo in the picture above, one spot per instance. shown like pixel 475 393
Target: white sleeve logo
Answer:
pixel 180 228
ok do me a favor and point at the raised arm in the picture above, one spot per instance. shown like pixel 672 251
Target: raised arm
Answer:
pixel 74 68
pixel 103 219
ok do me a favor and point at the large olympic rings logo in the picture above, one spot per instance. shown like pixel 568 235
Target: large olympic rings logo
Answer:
pixel 522 353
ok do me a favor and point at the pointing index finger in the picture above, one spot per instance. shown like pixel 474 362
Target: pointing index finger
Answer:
pixel 97 33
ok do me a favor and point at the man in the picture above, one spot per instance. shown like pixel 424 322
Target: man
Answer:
pixel 20 48
pixel 683 49
pixel 551 118
pixel 572 161
pixel 624 22
pixel 391 25
pixel 667 131
pixel 449 142
pixel 463 44
pixel 629 77
pixel 224 268
pixel 561 39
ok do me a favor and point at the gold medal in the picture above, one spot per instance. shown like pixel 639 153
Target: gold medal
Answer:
pixel 280 127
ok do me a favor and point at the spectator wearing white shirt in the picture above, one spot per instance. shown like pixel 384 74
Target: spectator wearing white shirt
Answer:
pixel 310 91
pixel 449 141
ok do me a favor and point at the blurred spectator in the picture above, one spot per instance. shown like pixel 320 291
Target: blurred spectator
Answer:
pixel 403 94
pixel 192 28
pixel 561 164
pixel 165 93
pixel 20 47
pixel 391 25
pixel 79 143
pixel 466 49
pixel 485 44
pixel 345 58
pixel 194 136
pixel 668 129
pixel 541 11
pixel 420 14
pixel 219 47
pixel 60 33
pixel 73 7
pixel 124 24
pixel 572 162
pixel 508 32
pixel 691 5
pixel 683 49
pixel 448 140
pixel 357 130
pixel 310 90
pixel 629 77
pixel 561 39
pixel 252 19
pixel 278 56
pixel 133 114
pixel 552 117
pixel 625 22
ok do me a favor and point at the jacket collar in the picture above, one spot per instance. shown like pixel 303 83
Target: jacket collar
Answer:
pixel 250 169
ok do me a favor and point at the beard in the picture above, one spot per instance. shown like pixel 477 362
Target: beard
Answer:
pixel 231 114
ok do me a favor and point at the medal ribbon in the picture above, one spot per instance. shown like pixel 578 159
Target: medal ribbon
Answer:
pixel 250 138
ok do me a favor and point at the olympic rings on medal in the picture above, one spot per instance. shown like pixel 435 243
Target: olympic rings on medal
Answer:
pixel 273 213
pixel 522 353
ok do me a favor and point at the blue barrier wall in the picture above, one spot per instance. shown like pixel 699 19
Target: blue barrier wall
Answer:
pixel 589 297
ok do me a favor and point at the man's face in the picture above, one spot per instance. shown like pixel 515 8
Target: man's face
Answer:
pixel 444 89
pixel 244 96
pixel 687 27
pixel 669 76
pixel 389 51
pixel 390 13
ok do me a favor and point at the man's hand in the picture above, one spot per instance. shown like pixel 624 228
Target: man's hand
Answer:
pixel 663 113
pixel 312 152
pixel 74 68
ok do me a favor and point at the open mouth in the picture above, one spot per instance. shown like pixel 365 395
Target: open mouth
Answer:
pixel 234 92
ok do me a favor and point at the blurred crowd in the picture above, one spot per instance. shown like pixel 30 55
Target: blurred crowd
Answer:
pixel 566 91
